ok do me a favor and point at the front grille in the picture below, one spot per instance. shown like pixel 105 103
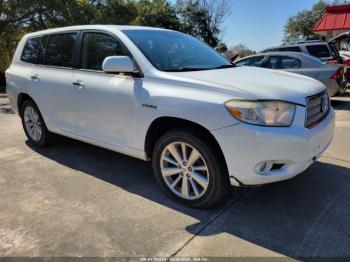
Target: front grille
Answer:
pixel 317 108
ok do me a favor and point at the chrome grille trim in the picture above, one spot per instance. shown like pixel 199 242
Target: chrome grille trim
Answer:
pixel 314 112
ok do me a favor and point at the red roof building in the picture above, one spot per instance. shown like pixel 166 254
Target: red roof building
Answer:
pixel 336 20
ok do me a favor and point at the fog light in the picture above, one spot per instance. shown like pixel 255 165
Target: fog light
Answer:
pixel 263 167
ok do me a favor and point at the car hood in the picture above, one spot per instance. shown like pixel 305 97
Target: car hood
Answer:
pixel 260 83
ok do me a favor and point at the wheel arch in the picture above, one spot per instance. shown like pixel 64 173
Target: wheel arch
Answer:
pixel 20 100
pixel 164 124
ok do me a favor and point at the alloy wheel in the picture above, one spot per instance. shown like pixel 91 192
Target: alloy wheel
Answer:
pixel 184 170
pixel 33 124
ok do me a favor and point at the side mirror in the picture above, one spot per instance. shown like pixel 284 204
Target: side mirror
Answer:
pixel 118 64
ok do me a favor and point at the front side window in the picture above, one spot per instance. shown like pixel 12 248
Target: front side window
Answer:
pixel 96 47
pixel 59 50
pixel 253 61
pixel 176 52
pixel 31 50
pixel 282 62
pixel 318 50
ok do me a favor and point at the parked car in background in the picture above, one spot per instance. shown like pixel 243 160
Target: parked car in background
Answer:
pixel 321 49
pixel 330 75
pixel 326 51
pixel 164 96
pixel 345 55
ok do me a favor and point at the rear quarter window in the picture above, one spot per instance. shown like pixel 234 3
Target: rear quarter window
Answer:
pixel 31 50
pixel 318 50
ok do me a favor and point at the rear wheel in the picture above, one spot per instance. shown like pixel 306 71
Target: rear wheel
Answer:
pixel 34 125
pixel 189 170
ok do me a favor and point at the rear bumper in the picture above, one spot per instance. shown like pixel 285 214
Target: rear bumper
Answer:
pixel 244 146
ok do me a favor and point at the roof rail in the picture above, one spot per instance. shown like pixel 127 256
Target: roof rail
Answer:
pixel 308 41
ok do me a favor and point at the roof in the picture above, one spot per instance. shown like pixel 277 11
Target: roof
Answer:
pixel 283 53
pixel 298 44
pixel 94 27
pixel 335 18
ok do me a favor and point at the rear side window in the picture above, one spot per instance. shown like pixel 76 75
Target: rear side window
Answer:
pixel 282 62
pixel 318 50
pixel 252 61
pixel 31 50
pixel 96 47
pixel 59 50
pixel 290 49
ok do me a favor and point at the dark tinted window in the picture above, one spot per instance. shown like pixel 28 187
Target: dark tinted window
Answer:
pixel 252 61
pixel 282 62
pixel 59 50
pixel 31 50
pixel 41 53
pixel 175 51
pixel 318 50
pixel 96 47
pixel 290 49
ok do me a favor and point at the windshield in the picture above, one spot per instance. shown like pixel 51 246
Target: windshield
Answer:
pixel 175 52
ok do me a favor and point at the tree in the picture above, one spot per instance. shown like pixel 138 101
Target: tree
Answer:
pixel 203 18
pixel 14 12
pixel 239 50
pixel 119 12
pixel 60 13
pixel 221 47
pixel 299 27
pixel 157 13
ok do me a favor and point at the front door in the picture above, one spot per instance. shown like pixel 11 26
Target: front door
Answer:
pixel 105 104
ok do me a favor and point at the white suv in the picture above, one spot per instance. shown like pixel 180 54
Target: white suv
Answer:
pixel 158 94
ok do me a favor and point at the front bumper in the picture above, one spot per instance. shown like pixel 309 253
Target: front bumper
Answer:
pixel 244 146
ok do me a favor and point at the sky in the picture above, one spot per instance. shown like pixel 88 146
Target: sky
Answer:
pixel 259 24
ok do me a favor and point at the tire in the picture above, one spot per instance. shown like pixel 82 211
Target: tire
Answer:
pixel 31 116
pixel 211 185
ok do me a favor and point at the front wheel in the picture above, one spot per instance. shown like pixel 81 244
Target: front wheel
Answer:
pixel 189 169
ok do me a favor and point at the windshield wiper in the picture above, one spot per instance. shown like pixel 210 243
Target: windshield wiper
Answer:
pixel 225 66
pixel 188 69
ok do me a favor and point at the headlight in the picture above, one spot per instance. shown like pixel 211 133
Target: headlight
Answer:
pixel 266 113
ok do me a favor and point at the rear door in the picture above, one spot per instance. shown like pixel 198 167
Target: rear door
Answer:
pixel 291 64
pixel 286 63
pixel 51 81
pixel 105 104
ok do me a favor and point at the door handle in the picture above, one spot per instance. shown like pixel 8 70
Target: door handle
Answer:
pixel 35 78
pixel 79 84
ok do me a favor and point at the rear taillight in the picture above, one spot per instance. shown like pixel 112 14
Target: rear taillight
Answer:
pixel 337 75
